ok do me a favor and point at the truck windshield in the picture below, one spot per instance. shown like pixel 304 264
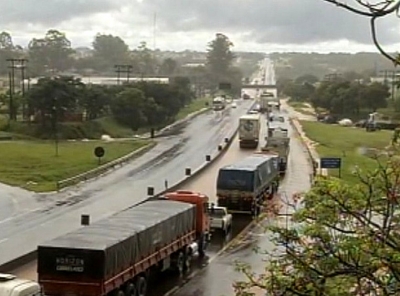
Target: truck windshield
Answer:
pixel 217 213
pixel 235 180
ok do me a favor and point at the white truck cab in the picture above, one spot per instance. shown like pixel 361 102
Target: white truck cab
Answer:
pixel 220 219
pixel 10 285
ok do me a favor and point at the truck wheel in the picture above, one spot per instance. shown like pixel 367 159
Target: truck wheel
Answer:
pixel 188 262
pixel 141 286
pixel 130 290
pixel 119 293
pixel 180 263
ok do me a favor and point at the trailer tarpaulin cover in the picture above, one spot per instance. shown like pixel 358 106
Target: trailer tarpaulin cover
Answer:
pixel 109 246
pixel 249 174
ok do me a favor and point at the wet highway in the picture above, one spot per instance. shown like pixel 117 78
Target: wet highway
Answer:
pixel 60 213
pixel 205 183
pixel 217 278
pixel 215 275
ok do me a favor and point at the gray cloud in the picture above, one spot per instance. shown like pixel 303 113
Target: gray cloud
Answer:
pixel 269 21
pixel 50 12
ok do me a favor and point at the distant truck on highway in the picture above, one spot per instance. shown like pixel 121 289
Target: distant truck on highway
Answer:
pixel 10 285
pixel 278 142
pixel 116 255
pixel 249 130
pixel 219 103
pixel 244 186
pixel 268 102
pixel 265 99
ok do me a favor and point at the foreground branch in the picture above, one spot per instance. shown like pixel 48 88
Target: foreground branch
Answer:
pixel 374 11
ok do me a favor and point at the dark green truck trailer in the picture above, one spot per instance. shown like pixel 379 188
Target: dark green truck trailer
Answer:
pixel 244 186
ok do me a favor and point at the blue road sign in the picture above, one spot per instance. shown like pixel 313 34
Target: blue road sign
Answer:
pixel 331 163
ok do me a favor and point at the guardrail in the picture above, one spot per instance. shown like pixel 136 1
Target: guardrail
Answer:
pixel 124 159
pixel 209 159
pixel 103 168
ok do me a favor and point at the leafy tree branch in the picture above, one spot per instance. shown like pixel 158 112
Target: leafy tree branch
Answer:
pixel 374 11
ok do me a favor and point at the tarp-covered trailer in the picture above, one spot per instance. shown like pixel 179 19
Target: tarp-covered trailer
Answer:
pixel 115 255
pixel 244 186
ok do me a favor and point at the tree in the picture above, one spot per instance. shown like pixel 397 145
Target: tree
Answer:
pixel 220 56
pixel 373 11
pixel 109 50
pixel 168 67
pixel 145 63
pixel 127 108
pixel 307 78
pixel 375 96
pixel 298 92
pixel 7 50
pixel 62 93
pixel 344 240
pixel 51 53
pixel 95 101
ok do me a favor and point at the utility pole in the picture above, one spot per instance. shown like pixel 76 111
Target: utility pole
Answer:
pixel 127 69
pixel 16 64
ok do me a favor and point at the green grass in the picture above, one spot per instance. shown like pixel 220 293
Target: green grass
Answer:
pixel 113 128
pixel 300 107
pixel 194 106
pixel 34 166
pixel 345 142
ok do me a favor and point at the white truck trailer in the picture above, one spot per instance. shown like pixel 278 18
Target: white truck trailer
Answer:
pixel 278 142
pixel 249 130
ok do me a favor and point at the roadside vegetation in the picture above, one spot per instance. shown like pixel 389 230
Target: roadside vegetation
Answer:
pixel 35 166
pixel 355 146
pixel 59 108
pixel 195 105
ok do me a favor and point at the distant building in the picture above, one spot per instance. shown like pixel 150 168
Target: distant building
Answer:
pixel 83 52
pixel 111 80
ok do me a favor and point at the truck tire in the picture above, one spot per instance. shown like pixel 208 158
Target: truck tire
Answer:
pixel 188 262
pixel 141 286
pixel 119 293
pixel 130 290
pixel 180 263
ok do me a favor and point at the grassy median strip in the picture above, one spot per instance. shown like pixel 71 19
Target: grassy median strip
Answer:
pixel 195 105
pixel 347 143
pixel 35 166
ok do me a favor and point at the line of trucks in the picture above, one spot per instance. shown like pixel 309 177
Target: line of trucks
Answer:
pixel 117 256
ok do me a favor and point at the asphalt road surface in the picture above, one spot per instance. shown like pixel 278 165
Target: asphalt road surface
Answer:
pixel 218 277
pixel 60 213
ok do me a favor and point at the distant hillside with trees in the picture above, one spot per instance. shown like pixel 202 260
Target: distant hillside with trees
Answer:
pixel 293 65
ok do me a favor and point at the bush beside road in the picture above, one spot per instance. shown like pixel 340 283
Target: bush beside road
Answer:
pixel 34 166
pixel 350 144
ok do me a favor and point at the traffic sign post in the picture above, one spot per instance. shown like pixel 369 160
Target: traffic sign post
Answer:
pixel 99 153
pixel 331 163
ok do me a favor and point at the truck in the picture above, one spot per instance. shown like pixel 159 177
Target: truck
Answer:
pixel 278 142
pixel 117 255
pixel 249 130
pixel 265 98
pixel 243 187
pixel 220 218
pixel 219 103
pixel 10 285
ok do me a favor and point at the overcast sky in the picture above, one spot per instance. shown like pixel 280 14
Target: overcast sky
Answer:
pixel 252 25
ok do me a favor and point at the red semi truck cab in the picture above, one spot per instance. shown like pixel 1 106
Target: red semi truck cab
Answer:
pixel 202 204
